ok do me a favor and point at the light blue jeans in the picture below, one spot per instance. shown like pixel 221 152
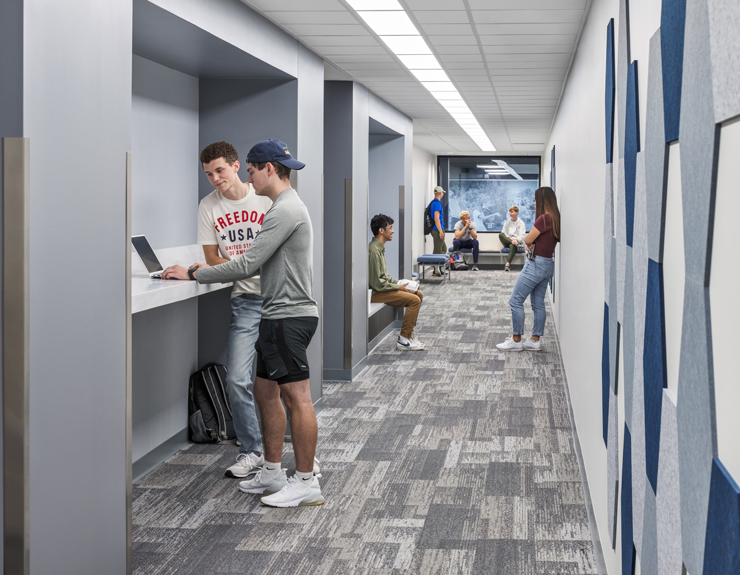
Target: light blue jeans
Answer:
pixel 243 332
pixel 532 282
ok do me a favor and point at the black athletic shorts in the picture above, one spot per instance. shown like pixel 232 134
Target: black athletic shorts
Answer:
pixel 281 348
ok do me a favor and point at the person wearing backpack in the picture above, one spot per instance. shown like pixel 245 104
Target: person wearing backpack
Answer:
pixel 438 231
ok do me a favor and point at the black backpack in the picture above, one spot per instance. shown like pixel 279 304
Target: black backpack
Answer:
pixel 428 220
pixel 208 406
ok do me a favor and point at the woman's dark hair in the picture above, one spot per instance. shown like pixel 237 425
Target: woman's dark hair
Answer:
pixel 378 222
pixel 547 203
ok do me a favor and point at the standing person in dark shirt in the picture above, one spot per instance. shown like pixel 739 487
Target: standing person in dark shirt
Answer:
pixel 533 279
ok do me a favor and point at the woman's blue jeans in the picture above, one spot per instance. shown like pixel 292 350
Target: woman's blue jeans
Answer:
pixel 532 282
pixel 245 321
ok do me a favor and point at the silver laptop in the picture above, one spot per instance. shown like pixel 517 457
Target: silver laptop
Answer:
pixel 147 255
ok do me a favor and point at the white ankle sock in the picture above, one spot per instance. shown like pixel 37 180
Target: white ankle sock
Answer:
pixel 403 340
pixel 271 469
pixel 304 477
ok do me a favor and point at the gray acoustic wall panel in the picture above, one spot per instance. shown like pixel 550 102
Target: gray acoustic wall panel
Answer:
pixel 608 224
pixel 649 555
pixel 628 336
pixel 655 153
pixel 724 19
pixel 696 425
pixel 621 235
pixel 614 331
pixel 668 497
pixel 623 62
pixel 612 468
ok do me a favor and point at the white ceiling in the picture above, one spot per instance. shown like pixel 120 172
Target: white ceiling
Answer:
pixel 507 58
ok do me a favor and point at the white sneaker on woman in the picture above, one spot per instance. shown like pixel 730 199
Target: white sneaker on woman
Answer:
pixel 532 345
pixel 510 345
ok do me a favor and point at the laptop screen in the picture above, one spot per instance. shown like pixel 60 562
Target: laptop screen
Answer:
pixel 146 253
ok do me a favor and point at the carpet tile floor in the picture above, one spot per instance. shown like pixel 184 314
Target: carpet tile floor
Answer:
pixel 455 460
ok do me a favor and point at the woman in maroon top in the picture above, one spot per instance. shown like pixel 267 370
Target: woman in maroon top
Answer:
pixel 538 269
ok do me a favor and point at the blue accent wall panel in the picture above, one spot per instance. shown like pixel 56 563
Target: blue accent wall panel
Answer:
pixel 722 548
pixel 631 148
pixel 628 546
pixel 605 371
pixel 672 28
pixel 654 368
pixel 610 92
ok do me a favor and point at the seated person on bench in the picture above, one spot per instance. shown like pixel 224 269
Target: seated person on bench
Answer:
pixel 385 289
pixel 512 236
pixel 466 237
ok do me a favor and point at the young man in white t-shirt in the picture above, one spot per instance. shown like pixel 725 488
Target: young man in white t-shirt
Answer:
pixel 229 218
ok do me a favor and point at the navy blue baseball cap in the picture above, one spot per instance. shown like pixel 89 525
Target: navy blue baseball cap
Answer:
pixel 273 151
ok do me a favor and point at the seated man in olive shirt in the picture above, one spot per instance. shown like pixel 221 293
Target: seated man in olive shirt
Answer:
pixel 386 290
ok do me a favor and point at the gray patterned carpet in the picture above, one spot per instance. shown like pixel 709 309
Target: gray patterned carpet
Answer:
pixel 455 460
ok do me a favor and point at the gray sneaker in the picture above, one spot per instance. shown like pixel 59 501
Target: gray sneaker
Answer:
pixel 296 493
pixel 475 267
pixel 261 484
pixel 245 464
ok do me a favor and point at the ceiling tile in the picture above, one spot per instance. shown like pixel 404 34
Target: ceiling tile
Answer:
pixel 294 5
pixel 326 29
pixel 375 52
pixel 442 17
pixel 448 29
pixel 549 29
pixel 435 5
pixel 530 49
pixel 526 38
pixel 527 4
pixel 352 66
pixel 452 40
pixel 461 58
pixel 358 40
pixel 314 17
pixel 525 58
pixel 374 58
pixel 457 49
pixel 527 16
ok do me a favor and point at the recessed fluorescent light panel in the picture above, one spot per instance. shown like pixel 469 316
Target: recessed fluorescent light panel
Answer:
pixel 388 19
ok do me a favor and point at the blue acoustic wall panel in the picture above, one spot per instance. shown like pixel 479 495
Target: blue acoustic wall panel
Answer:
pixel 722 549
pixel 610 92
pixel 631 148
pixel 724 21
pixel 654 368
pixel 608 224
pixel 628 547
pixel 668 498
pixel 672 24
pixel 623 60
pixel 656 164
pixel 605 386
pixel 695 401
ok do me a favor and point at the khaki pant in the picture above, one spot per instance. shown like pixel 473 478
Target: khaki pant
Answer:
pixel 398 298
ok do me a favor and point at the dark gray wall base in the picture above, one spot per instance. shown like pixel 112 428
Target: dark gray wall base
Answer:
pixel 378 338
pixel 147 462
pixel 345 374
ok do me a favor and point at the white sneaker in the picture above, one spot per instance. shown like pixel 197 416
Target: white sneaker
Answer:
pixel 296 493
pixel 246 463
pixel 414 340
pixel 261 484
pixel 408 344
pixel 510 345
pixel 531 345
pixel 316 468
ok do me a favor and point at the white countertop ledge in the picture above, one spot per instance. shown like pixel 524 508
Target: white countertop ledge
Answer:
pixel 147 293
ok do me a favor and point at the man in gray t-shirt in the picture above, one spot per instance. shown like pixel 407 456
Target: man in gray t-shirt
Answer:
pixel 466 237
pixel 282 254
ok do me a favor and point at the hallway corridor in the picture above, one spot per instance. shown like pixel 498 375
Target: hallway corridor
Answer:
pixel 454 460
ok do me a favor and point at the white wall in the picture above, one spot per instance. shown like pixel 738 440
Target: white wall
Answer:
pixel 578 134
pixel 425 178
pixel 164 142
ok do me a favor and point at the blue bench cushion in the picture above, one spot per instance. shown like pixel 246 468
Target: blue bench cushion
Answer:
pixel 432 259
pixel 463 250
pixel 506 250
